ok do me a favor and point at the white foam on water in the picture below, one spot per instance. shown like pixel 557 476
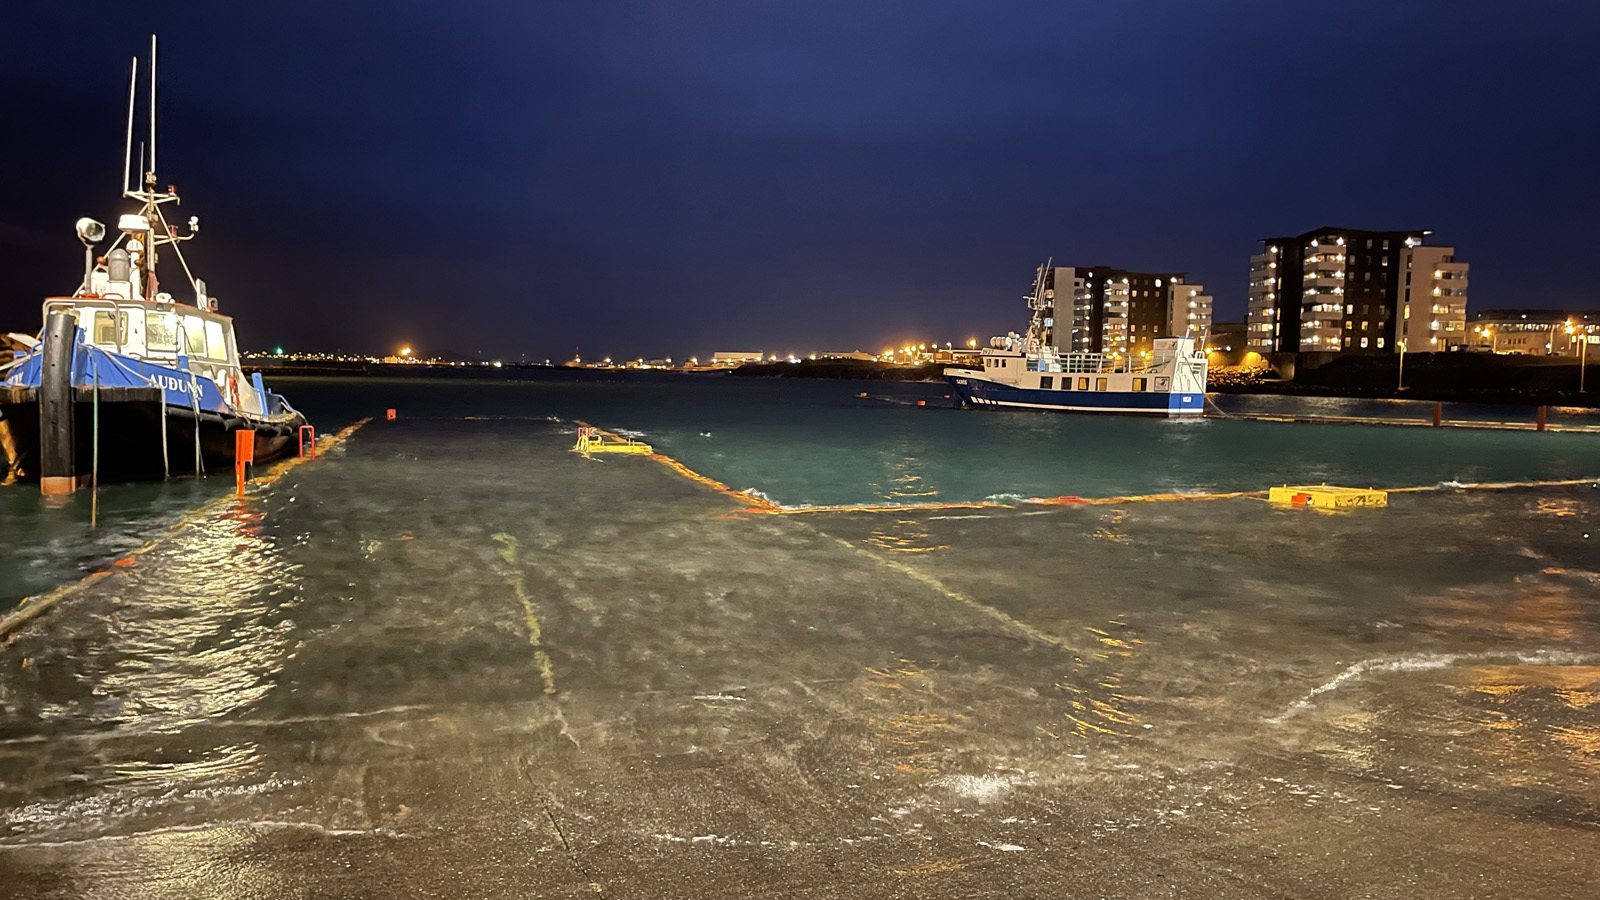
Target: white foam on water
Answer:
pixel 1419 662
pixel 983 788
pixel 261 825
pixel 765 498
pixel 1005 498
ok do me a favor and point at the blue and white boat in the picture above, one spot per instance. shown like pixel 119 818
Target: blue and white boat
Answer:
pixel 1026 372
pixel 156 382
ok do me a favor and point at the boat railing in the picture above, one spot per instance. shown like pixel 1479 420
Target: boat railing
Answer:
pixel 1085 363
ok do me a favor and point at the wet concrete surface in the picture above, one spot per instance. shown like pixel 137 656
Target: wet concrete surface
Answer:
pixel 460 661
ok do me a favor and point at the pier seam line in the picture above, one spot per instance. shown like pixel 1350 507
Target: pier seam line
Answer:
pixel 519 589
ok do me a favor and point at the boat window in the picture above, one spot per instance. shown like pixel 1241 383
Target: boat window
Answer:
pixel 1083 384
pixel 194 336
pixel 1138 384
pixel 216 342
pixel 1047 382
pixel 161 330
pixel 1099 384
pixel 108 330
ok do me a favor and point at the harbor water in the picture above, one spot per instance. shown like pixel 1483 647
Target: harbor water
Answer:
pixel 453 658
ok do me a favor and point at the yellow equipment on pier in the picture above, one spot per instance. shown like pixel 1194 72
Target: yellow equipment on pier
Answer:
pixel 1326 497
pixel 594 440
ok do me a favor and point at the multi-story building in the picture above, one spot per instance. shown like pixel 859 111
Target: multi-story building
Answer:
pixel 1536 332
pixel 1098 309
pixel 1342 290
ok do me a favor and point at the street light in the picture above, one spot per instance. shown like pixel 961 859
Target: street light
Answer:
pixel 1583 353
pixel 1402 382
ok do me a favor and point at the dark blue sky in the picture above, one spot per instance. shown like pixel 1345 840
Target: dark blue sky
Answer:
pixel 671 178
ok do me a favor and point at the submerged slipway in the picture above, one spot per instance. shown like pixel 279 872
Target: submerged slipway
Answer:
pixel 452 658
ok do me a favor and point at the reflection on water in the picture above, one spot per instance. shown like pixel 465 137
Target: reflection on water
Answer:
pixel 210 630
pixel 1521 695
pixel 1100 703
pixel 910 730
pixel 1539 611
pixel 905 485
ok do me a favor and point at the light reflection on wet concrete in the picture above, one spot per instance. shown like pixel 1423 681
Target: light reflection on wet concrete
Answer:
pixel 456 660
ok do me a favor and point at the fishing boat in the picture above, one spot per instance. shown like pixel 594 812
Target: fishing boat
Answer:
pixel 125 379
pixel 1027 371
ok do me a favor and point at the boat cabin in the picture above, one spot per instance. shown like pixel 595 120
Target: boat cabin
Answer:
pixel 165 333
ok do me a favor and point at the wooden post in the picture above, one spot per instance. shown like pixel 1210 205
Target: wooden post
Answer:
pixel 1543 413
pixel 58 436
pixel 244 454
pixel 1438 414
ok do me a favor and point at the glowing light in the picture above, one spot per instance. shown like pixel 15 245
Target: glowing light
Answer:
pixel 405 351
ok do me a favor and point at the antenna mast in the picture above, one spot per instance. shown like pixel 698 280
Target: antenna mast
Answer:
pixel 127 148
pixel 152 110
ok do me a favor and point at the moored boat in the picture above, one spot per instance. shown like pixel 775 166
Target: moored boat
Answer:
pixel 1026 371
pixel 125 378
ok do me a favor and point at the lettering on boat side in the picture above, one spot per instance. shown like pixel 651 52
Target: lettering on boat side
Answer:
pixel 170 383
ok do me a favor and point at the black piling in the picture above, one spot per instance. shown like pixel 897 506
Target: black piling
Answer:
pixel 58 438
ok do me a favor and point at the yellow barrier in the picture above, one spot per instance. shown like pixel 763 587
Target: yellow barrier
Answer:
pixel 598 440
pixel 1327 497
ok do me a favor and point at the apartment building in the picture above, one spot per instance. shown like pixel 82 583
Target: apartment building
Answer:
pixel 1344 290
pixel 1099 309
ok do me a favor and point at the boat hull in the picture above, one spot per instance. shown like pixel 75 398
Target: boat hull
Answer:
pixel 976 392
pixel 130 438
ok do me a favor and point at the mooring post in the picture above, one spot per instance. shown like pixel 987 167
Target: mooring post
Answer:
pixel 58 436
pixel 1543 413
pixel 1438 414
pixel 244 454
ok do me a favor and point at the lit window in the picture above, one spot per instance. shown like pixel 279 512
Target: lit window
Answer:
pixel 194 336
pixel 161 331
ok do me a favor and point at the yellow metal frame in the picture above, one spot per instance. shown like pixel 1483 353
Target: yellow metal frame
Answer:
pixel 1323 496
pixel 595 440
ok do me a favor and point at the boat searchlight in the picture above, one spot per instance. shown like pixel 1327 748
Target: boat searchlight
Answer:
pixel 90 232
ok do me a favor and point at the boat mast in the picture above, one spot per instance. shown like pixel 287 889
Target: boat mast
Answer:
pixel 127 148
pixel 158 231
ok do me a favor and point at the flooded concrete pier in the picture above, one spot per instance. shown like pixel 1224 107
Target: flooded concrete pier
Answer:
pixel 402 671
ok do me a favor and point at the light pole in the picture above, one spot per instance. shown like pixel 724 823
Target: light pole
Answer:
pixel 1401 385
pixel 1583 352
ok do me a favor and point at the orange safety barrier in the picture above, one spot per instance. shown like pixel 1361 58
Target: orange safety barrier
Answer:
pixel 300 437
pixel 390 415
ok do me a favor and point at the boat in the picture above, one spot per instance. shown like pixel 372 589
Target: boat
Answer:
pixel 1027 371
pixel 125 381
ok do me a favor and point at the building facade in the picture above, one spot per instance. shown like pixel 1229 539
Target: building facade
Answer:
pixel 1098 309
pixel 1536 332
pixel 1343 290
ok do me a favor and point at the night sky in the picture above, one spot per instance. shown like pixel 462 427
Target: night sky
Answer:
pixel 672 178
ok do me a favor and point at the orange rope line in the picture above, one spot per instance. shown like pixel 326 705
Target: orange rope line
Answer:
pixel 759 506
